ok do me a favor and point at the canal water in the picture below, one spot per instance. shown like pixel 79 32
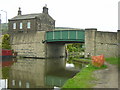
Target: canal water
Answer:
pixel 41 73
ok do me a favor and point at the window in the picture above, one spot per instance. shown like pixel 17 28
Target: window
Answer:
pixel 20 83
pixel 13 82
pixel 28 25
pixel 27 85
pixel 14 25
pixel 20 25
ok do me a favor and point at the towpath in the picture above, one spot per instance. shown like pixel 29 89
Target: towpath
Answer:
pixel 107 78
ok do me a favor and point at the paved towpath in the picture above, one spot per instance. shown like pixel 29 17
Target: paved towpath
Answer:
pixel 107 78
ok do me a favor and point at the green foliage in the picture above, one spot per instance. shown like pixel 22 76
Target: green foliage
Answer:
pixel 5 72
pixel 112 60
pixel 115 61
pixel 6 42
pixel 0 46
pixel 83 78
pixel 75 47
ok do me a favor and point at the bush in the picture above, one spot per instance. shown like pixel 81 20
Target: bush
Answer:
pixel 75 47
pixel 6 42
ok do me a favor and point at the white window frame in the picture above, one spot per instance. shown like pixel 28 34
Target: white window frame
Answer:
pixel 20 83
pixel 27 85
pixel 28 25
pixel 14 25
pixel 13 82
pixel 21 25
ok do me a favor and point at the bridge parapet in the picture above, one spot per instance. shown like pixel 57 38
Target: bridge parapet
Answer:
pixel 65 36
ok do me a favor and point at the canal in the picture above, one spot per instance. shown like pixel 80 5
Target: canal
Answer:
pixel 41 73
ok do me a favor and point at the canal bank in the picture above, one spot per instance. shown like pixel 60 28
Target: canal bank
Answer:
pixel 40 73
pixel 83 78
pixel 87 78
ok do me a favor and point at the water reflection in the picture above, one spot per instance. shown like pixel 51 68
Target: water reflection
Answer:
pixel 7 61
pixel 41 73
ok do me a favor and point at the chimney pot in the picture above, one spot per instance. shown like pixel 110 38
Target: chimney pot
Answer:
pixel 45 9
pixel 19 11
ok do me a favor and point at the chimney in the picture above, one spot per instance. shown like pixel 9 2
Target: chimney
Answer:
pixel 45 9
pixel 19 11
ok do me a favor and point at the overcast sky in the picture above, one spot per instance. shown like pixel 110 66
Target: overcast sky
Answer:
pixel 100 14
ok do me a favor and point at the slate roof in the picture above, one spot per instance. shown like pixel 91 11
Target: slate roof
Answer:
pixel 27 16
pixel 30 16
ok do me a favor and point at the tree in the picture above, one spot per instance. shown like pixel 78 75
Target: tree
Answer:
pixel 75 47
pixel 6 42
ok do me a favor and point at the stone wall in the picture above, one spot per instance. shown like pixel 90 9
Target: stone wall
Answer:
pixel 97 43
pixel 106 43
pixel 29 44
pixel 118 36
pixel 45 23
pixel 24 25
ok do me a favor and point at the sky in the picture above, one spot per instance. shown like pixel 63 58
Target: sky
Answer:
pixel 100 14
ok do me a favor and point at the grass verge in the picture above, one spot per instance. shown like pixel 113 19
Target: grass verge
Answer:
pixel 112 60
pixel 83 78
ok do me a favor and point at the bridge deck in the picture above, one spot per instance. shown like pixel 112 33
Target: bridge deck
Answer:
pixel 66 36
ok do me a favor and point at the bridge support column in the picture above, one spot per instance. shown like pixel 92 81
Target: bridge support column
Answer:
pixel 55 50
pixel 90 42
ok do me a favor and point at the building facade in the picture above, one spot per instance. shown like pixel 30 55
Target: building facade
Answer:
pixel 28 33
pixel 31 22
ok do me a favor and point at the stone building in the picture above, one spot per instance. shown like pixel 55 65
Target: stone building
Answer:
pixel 28 33
pixel 31 22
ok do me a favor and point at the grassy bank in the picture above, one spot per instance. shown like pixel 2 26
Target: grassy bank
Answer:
pixel 83 78
pixel 112 60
